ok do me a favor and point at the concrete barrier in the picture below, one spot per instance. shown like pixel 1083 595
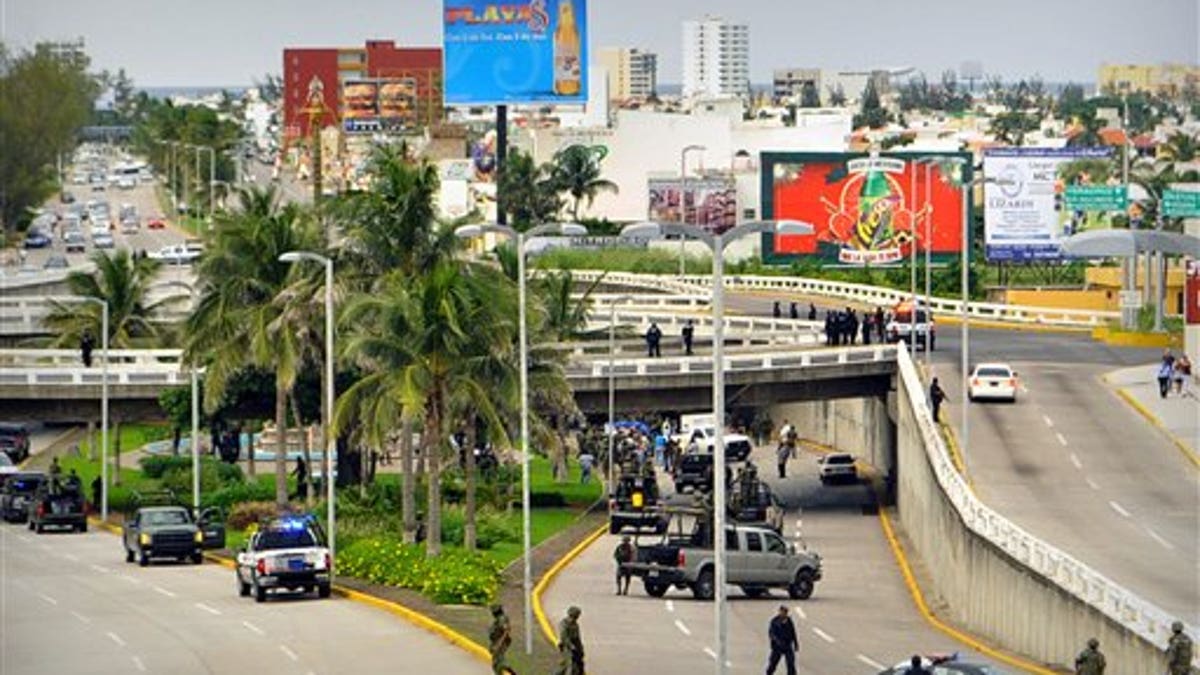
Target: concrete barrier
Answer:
pixel 860 426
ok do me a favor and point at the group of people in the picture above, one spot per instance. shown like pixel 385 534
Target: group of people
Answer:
pixel 794 311
pixel 1174 374
pixel 570 643
pixel 844 327
pixel 1091 660
pixel 654 337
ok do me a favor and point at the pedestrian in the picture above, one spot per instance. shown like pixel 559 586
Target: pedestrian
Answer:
pixel 829 328
pixel 499 640
pixel 776 311
pixel 936 396
pixel 97 489
pixel 301 474
pixel 915 667
pixel 586 461
pixel 86 344
pixel 1179 651
pixel 653 338
pixel 793 311
pixel 782 635
pixel 1165 369
pixel 782 454
pixel 622 554
pixel 868 326
pixel 812 312
pixel 1090 661
pixel 879 323
pixel 689 334
pixel 1180 372
pixel 570 644
pixel 852 325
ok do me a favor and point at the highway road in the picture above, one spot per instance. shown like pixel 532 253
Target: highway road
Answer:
pixel 860 619
pixel 71 605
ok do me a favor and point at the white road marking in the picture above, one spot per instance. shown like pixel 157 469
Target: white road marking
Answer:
pixel 823 635
pixel 137 663
pixel 682 628
pixel 1118 508
pixel 1166 544
pixel 81 617
pixel 48 598
pixel 713 655
pixel 800 612
pixel 871 663
pixel 290 654
pixel 1075 460
pixel 116 638
pixel 1092 484
pixel 72 558
pixel 670 605
pixel 132 580
pixel 1049 422
pixel 253 628
pixel 211 610
pixel 1062 440
pixel 100 569
pixel 160 589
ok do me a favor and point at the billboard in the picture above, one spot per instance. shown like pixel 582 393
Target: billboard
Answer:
pixel 862 208
pixel 1027 216
pixel 525 51
pixel 708 202
pixel 380 104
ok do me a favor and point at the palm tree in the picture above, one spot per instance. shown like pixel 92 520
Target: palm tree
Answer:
pixel 242 319
pixel 577 171
pixel 566 313
pixel 124 282
pixel 528 192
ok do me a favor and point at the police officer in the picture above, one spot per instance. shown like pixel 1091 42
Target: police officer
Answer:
pixel 499 639
pixel 936 396
pixel 689 333
pixel 1090 661
pixel 776 311
pixel 653 337
pixel 570 644
pixel 782 634
pixel 1179 651
pixel 793 311
pixel 86 344
pixel 623 554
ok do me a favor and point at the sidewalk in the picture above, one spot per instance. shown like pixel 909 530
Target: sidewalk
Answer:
pixel 1178 416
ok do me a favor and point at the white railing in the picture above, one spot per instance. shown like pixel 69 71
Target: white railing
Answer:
pixel 682 365
pixel 41 358
pixel 142 374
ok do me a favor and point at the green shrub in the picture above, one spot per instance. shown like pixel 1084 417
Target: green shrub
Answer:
pixel 246 513
pixel 155 466
pixel 229 473
pixel 453 577
pixel 539 500
pixel 491 527
pixel 179 479
pixel 229 495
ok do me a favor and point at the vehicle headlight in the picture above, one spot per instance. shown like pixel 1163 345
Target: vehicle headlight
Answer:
pixel 144 539
pixel 199 537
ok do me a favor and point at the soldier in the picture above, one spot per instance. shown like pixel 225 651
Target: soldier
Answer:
pixel 55 469
pixel 936 396
pixel 623 554
pixel 689 334
pixel 499 638
pixel 1090 661
pixel 570 644
pixel 776 311
pixel 1179 651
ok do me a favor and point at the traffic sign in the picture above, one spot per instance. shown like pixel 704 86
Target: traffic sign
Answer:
pixel 1096 197
pixel 1181 204
pixel 1131 299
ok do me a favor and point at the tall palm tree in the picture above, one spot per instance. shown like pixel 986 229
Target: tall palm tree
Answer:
pixel 241 320
pixel 124 282
pixel 577 171
pixel 529 193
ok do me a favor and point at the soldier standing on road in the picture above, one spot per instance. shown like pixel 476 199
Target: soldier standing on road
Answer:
pixel 689 332
pixel 653 337
pixel 880 324
pixel 1179 651
pixel 570 644
pixel 782 634
pixel 623 554
pixel 1090 661
pixel 499 640
pixel 936 396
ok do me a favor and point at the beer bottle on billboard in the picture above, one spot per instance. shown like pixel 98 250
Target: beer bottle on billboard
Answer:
pixel 568 71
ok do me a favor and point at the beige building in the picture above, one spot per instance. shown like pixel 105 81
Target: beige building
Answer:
pixel 632 73
pixel 1166 78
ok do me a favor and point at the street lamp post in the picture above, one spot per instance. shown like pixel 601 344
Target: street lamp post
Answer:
pixel 565 229
pixel 103 394
pixel 330 441
pixel 717 243
pixel 683 197
pixel 612 391
pixel 195 377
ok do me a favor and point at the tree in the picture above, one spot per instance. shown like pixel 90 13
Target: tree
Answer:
pixel 124 282
pixel 577 172
pixel 528 193
pixel 809 96
pixel 837 96
pixel 1087 133
pixel 1070 101
pixel 1011 126
pixel 872 113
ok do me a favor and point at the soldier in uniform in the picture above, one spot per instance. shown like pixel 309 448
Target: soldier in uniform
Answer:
pixel 570 644
pixel 499 640
pixel 623 554
pixel 1090 661
pixel 1179 651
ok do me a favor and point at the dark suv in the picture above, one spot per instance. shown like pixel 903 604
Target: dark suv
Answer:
pixel 14 441
pixel 162 532
pixel 17 494
pixel 695 472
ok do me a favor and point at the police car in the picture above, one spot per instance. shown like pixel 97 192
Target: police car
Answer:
pixel 285 553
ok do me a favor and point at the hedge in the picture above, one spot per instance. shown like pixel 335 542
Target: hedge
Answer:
pixel 454 577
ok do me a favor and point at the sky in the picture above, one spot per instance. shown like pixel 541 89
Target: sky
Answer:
pixel 235 42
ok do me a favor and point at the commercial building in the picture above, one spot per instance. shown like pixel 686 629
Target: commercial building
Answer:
pixel 632 73
pixel 1170 79
pixel 789 82
pixel 313 80
pixel 716 58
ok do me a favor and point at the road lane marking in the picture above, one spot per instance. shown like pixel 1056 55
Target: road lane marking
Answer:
pixel 871 663
pixel 682 628
pixel 137 663
pixel 290 654
pixel 1166 544
pixel 670 605
pixel 100 569
pixel 253 628
pixel 823 635
pixel 132 580
pixel 1062 440
pixel 800 612
pixel 1075 460
pixel 1092 484
pixel 211 610
pixel 160 589
pixel 116 638
pixel 1118 508
pixel 72 558
pixel 713 655
pixel 48 598
pixel 81 617
pixel 1049 422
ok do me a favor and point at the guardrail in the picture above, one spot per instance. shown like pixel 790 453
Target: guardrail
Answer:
pixel 682 365
pixel 34 358
pixel 145 374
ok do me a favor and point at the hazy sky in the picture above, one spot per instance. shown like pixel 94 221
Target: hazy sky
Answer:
pixel 232 42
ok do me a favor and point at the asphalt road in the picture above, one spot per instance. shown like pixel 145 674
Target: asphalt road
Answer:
pixel 860 619
pixel 71 605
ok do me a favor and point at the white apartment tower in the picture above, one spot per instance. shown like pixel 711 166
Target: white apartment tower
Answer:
pixel 716 58
pixel 632 73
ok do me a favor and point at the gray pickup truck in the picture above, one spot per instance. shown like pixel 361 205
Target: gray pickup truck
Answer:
pixel 758 560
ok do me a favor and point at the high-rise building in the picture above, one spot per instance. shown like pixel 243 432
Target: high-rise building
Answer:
pixel 632 73
pixel 716 58
pixel 1169 79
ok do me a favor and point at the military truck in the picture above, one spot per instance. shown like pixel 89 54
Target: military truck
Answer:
pixel 162 528
pixel 635 502
pixel 58 502
pixel 757 560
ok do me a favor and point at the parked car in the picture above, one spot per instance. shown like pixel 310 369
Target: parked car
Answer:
pixel 700 428
pixel 37 239
pixel 943 664
pixel 695 472
pixel 103 240
pixel 837 467
pixel 901 327
pixel 17 493
pixel 176 254
pixel 156 223
pixel 635 503
pixel 75 243
pixel 164 531
pixel 14 440
pixel 56 262
pixel 994 381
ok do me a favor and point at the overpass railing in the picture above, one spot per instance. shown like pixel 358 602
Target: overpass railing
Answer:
pixel 682 365
pixel 143 374
pixel 41 358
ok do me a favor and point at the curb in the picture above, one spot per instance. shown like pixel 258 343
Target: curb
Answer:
pixel 1142 410
pixel 956 454
pixel 548 578
pixel 919 600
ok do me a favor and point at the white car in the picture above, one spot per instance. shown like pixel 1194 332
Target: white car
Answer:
pixel 994 381
pixel 175 255
pixel 288 553
pixel 103 240
pixel 837 466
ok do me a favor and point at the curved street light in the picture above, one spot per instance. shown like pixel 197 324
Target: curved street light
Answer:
pixel 194 292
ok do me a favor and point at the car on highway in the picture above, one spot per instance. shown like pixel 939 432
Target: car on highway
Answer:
pixel 103 240
pixel 37 239
pixel 66 197
pixel 14 440
pixel 7 467
pixel 837 467
pixel 130 225
pixel 17 493
pixel 695 472
pixel 902 325
pixel 74 241
pixel 285 553
pixel 162 532
pixel 635 503
pixel 175 254
pixel 126 182
pixel 992 381
pixel 56 262
pixel 58 502
pixel 156 223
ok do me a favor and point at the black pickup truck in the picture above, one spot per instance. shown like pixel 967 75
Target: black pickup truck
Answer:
pixel 17 493
pixel 695 472
pixel 636 503
pixel 58 502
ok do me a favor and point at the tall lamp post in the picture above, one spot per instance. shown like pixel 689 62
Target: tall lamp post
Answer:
pixel 519 238
pixel 612 391
pixel 330 441
pixel 683 196
pixel 103 393
pixel 716 243
pixel 912 331
pixel 193 292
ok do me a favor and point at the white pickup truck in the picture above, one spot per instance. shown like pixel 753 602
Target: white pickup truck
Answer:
pixel 175 254
pixel 701 429
pixel 286 553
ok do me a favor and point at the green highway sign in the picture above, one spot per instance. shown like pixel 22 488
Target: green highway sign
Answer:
pixel 1181 204
pixel 1096 197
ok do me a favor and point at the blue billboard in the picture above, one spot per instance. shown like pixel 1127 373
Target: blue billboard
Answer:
pixel 519 52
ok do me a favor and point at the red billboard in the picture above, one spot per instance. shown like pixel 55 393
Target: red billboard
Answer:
pixel 862 208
